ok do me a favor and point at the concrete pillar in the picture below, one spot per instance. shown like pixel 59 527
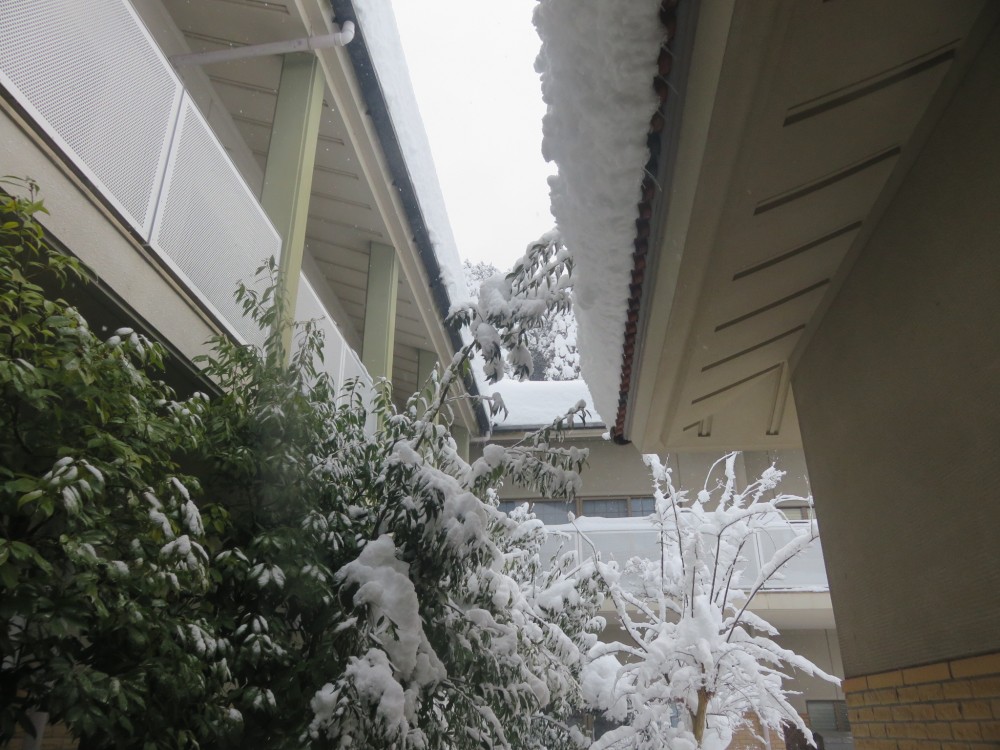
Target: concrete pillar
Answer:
pixel 291 157
pixel 380 311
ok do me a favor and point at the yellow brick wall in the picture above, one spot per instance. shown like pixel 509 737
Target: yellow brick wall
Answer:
pixel 953 705
pixel 55 737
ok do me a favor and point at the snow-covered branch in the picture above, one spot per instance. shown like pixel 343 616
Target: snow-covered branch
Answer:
pixel 699 664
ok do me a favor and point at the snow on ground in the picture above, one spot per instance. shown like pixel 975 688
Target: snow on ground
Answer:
pixel 381 35
pixel 538 402
pixel 597 62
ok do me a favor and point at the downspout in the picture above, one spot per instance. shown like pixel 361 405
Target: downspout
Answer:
pixel 305 44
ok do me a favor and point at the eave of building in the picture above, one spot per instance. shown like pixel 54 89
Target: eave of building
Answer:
pixel 361 192
pixel 788 143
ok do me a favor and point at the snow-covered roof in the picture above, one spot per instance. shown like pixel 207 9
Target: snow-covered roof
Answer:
pixel 381 36
pixel 597 61
pixel 537 402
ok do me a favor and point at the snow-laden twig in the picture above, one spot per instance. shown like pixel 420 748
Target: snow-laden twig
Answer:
pixel 701 650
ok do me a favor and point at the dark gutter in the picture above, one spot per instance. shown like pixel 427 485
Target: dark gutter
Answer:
pixel 378 110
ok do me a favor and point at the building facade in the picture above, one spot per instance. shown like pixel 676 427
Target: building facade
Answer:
pixel 816 266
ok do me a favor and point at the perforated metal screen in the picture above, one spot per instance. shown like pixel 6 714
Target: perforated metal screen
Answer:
pixel 339 360
pixel 88 72
pixel 354 369
pixel 308 307
pixel 209 224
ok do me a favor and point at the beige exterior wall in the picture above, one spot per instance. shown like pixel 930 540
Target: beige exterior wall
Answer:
pixel 618 470
pixel 822 648
pixel 87 229
pixel 898 395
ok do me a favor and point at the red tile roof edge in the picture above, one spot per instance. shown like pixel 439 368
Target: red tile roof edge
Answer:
pixel 668 17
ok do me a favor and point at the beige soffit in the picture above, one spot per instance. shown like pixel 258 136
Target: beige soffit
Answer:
pixel 792 140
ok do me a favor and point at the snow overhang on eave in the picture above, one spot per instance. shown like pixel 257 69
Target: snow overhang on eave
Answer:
pixel 679 21
pixel 600 82
pixel 381 117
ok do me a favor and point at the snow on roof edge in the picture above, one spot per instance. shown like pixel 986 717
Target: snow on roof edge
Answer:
pixel 597 60
pixel 381 36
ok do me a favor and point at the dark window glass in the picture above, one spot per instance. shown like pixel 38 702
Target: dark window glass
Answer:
pixel 606 508
pixel 828 716
pixel 643 506
pixel 552 512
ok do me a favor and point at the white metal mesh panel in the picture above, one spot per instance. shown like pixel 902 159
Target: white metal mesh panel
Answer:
pixel 354 369
pixel 209 223
pixel 620 540
pixel 339 360
pixel 309 307
pixel 88 71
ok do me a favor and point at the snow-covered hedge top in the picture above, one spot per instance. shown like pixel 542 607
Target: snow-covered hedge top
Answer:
pixel 597 63
pixel 378 24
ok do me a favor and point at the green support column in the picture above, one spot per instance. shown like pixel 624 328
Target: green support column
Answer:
pixel 291 157
pixel 426 362
pixel 380 311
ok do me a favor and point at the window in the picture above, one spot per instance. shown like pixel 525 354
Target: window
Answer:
pixel 622 507
pixel 828 716
pixel 552 512
pixel 797 512
pixel 508 505
pixel 556 512
pixel 606 508
pixel 643 506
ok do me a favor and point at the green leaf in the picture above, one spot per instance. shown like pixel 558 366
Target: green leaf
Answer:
pixel 29 497
pixel 9 575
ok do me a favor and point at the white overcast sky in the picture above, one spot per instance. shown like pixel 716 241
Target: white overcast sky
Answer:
pixel 472 67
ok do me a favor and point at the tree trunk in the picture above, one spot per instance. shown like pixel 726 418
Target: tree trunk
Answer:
pixel 700 717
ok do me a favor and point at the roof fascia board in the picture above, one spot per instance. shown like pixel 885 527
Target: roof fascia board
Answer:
pixel 719 95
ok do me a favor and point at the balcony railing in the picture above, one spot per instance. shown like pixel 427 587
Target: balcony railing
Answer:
pixel 95 82
pixel 340 362
pixel 623 538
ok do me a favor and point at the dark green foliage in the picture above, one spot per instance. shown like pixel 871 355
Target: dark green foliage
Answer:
pixel 141 620
pixel 90 601
pixel 267 438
